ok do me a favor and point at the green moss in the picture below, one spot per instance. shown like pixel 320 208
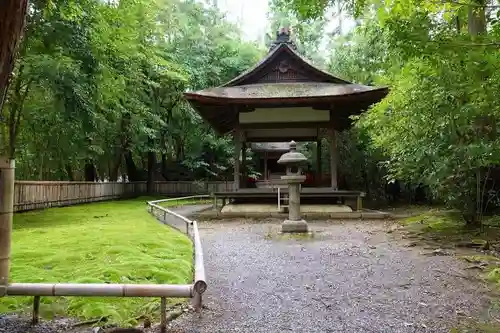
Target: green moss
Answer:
pixel 438 222
pixel 476 328
pixel 493 221
pixel 494 275
pixel 480 258
pixel 111 242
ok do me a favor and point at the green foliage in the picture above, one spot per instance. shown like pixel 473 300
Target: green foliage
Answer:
pixel 438 126
pixel 100 85
pixel 112 242
pixel 307 35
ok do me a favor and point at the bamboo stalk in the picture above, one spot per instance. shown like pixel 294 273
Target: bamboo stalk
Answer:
pixel 200 286
pixel 163 315
pixel 36 310
pixel 197 302
pixel 6 212
pixel 98 289
pixel 199 268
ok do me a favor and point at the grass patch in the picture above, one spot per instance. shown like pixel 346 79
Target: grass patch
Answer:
pixel 110 242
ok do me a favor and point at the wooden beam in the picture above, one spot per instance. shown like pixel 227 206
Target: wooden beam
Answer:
pixel 319 173
pixel 244 171
pixel 296 124
pixel 281 139
pixel 333 159
pixel 265 165
pixel 237 151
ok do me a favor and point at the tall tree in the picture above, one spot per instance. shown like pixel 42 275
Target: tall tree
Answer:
pixel 12 18
pixel 438 124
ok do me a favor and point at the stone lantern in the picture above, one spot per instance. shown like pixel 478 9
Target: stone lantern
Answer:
pixel 293 161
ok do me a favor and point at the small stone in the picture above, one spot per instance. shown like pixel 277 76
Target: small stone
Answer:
pixel 408 324
pixel 440 252
pixel 475 267
pixel 437 252
pixel 372 247
pixel 422 304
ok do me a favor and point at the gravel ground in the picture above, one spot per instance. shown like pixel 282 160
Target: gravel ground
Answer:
pixel 184 211
pixel 349 277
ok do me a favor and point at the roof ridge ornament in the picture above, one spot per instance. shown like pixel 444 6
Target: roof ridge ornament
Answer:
pixel 283 36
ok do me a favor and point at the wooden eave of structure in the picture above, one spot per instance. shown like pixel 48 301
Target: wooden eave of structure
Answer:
pixel 270 147
pixel 253 74
pixel 283 79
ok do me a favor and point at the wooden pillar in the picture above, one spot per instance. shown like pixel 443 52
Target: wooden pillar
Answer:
pixel 319 173
pixel 333 158
pixel 237 151
pixel 265 165
pixel 244 171
pixel 6 213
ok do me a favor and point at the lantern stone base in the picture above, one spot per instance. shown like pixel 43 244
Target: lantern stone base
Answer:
pixel 290 226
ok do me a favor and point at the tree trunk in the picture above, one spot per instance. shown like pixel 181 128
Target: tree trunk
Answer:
pixel 151 171
pixel 477 18
pixel 12 19
pixel 132 173
pixel 115 168
pixel 90 171
pixel 164 165
pixel 69 172
pixel 19 92
pixel 151 167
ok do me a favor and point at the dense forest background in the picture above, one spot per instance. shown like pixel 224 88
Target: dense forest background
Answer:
pixel 96 92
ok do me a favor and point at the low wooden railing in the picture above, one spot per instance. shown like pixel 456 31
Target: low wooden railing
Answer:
pixel 199 282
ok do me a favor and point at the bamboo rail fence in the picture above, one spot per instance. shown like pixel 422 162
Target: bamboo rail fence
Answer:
pixel 199 282
pixel 29 195
pixel 194 290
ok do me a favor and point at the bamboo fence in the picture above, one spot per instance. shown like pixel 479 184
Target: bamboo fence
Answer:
pixel 29 195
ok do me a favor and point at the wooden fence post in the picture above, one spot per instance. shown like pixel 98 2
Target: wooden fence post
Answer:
pixel 6 212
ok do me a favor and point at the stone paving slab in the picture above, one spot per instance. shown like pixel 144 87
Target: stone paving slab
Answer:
pixel 364 215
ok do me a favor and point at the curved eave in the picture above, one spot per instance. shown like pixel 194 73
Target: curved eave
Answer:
pixel 374 95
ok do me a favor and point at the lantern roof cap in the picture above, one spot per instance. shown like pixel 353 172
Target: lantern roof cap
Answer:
pixel 293 156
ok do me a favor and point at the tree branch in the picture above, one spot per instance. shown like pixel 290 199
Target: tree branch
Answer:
pixel 459 3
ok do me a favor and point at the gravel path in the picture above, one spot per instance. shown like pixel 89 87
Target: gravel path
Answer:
pixel 347 277
pixel 186 211
pixel 350 277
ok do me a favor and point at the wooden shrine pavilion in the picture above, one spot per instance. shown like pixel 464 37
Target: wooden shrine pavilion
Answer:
pixel 280 99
